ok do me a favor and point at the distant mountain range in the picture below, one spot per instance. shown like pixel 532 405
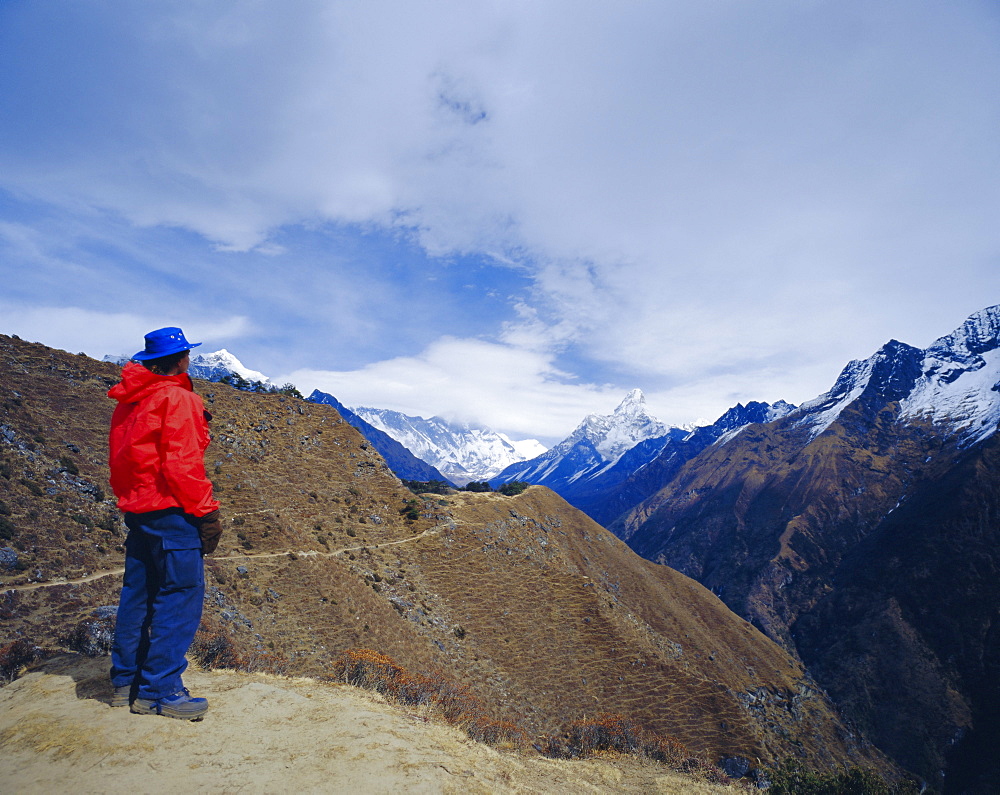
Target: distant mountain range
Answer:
pixel 461 452
pixel 610 463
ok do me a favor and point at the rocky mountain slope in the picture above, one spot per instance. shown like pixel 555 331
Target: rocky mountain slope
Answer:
pixel 543 614
pixel 462 453
pixel 861 531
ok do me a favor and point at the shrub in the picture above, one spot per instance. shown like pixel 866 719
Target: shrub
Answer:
pixel 513 487
pixel 16 655
pixel 477 485
pixel 109 522
pixel 427 486
pixel 617 733
pixel 410 511
pixel 34 488
pixel 215 649
pixel 792 778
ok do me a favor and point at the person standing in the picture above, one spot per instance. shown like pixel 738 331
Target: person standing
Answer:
pixel 159 434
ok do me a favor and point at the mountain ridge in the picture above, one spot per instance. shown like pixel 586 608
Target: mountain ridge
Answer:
pixel 801 526
pixel 605 488
pixel 597 442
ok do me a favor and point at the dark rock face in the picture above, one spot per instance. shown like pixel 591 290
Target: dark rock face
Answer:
pixel 926 584
pixel 736 766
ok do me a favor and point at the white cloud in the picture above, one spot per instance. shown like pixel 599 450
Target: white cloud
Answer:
pixel 722 196
pixel 509 389
pixel 116 333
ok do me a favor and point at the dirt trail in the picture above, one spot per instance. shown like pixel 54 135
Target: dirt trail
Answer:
pixel 284 553
pixel 270 734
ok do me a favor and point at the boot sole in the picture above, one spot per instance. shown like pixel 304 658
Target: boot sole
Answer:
pixel 167 712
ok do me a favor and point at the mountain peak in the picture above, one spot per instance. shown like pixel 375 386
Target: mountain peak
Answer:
pixel 953 383
pixel 613 434
pixel 634 397
pixel 632 405
pixel 978 334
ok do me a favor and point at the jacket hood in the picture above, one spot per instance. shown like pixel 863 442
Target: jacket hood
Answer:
pixel 138 383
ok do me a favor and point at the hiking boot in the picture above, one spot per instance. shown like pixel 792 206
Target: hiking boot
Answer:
pixel 179 705
pixel 121 696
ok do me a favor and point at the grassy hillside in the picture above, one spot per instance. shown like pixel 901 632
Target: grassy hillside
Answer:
pixel 543 614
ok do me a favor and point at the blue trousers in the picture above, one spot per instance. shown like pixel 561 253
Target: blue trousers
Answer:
pixel 161 602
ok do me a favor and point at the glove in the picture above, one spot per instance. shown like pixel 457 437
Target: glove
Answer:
pixel 210 531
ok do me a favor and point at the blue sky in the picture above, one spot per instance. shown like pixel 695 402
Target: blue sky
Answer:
pixel 508 213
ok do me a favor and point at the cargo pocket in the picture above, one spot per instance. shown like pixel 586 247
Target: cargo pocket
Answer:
pixel 183 567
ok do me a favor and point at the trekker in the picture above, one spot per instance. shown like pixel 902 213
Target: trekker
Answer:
pixel 159 433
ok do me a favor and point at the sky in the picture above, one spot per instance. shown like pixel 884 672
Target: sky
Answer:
pixel 508 213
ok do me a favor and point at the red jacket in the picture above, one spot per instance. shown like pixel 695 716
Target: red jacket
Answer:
pixel 159 434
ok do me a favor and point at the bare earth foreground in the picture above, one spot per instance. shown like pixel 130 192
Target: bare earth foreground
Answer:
pixel 268 734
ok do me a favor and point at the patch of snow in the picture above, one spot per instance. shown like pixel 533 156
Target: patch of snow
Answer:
pixel 965 400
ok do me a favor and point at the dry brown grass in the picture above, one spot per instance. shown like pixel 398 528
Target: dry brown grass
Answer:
pixel 454 702
pixel 606 733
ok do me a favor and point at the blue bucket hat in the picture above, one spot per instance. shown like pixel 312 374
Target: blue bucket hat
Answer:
pixel 163 342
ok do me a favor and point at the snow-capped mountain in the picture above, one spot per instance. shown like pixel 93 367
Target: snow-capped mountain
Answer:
pixel 596 444
pixel 573 468
pixel 217 365
pixel 461 452
pixel 959 385
pixel 400 460
pixel 954 384
pixel 211 366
